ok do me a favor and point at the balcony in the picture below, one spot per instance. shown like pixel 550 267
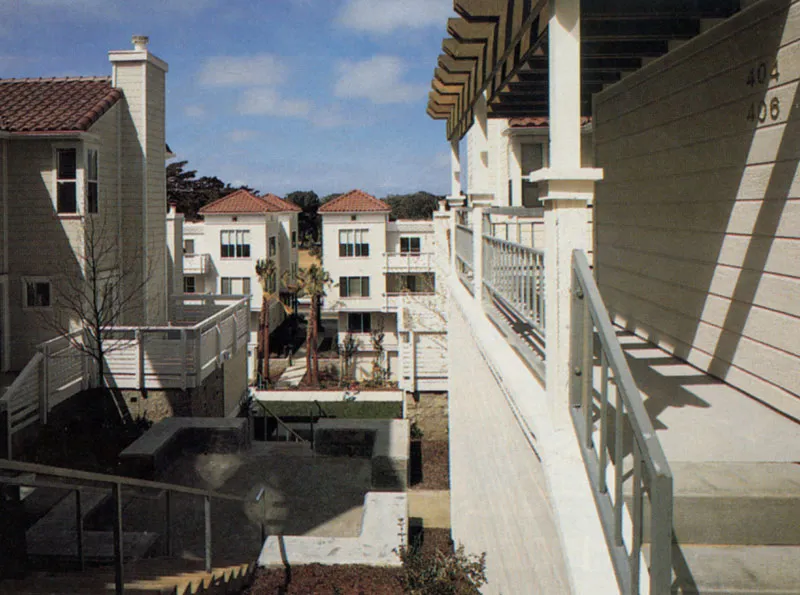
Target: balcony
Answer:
pixel 636 471
pixel 196 264
pixel 414 262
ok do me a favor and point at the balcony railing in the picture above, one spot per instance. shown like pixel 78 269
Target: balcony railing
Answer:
pixel 206 331
pixel 412 262
pixel 196 264
pixel 519 225
pixel 601 374
pixel 464 248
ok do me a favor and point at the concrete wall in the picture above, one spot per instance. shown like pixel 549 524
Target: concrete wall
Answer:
pixel 698 217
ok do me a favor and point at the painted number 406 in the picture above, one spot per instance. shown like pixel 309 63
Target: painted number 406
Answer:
pixel 767 108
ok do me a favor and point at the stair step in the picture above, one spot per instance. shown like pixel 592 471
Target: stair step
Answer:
pixel 737 570
pixel 97 545
pixel 737 503
pixel 145 577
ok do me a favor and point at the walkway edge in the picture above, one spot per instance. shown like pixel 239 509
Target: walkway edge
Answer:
pixel 582 538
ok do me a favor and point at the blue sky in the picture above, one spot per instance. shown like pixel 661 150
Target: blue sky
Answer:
pixel 281 95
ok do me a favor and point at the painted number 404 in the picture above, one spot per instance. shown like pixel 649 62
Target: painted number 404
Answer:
pixel 767 108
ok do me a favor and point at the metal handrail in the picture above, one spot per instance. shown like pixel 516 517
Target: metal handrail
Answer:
pixel 83 479
pixel 298 437
pixel 592 330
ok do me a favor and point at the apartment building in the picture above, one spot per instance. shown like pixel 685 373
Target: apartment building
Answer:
pixel 385 281
pixel 221 251
pixel 81 162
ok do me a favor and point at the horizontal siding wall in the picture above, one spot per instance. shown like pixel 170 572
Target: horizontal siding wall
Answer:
pixel 697 221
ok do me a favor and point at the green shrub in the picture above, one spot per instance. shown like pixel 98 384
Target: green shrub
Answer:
pixel 437 573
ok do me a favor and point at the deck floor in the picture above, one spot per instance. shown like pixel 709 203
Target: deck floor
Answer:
pixel 699 418
pixel 499 501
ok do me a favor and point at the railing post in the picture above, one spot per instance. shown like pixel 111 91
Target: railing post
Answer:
pixel 44 396
pixel 168 522
pixel 79 529
pixel 119 579
pixel 198 354
pixel 477 252
pixel 207 515
pixel 139 337
pixel 219 342
pixel 183 359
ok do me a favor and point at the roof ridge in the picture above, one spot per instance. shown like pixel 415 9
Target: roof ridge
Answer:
pixel 56 79
pixel 357 194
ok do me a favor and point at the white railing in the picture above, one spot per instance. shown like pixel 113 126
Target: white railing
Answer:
pixel 419 262
pixel 196 264
pixel 519 225
pixel 464 248
pixel 177 356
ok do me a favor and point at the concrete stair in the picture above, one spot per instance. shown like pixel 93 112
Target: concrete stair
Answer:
pixel 737 527
pixel 155 576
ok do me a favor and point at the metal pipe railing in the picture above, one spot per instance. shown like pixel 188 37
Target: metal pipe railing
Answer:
pixel 595 347
pixel 74 479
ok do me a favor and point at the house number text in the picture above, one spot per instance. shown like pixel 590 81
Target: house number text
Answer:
pixel 767 108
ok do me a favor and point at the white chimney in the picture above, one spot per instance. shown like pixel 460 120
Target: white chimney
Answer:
pixel 140 42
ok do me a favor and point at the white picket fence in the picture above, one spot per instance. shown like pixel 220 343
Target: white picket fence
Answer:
pixel 206 331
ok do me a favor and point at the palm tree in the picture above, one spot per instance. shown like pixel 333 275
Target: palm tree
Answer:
pixel 265 269
pixel 313 281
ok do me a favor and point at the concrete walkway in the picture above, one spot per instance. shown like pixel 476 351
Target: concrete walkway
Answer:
pixel 293 375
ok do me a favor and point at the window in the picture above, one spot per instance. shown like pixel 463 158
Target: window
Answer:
pixel 353 242
pixel 273 246
pixel 354 286
pixel 234 244
pixel 294 239
pixel 234 286
pixel 66 180
pixel 37 293
pixel 188 246
pixel 410 245
pixel 359 322
pixel 92 184
pixel 189 285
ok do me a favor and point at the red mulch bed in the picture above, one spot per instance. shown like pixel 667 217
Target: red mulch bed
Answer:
pixel 430 465
pixel 316 579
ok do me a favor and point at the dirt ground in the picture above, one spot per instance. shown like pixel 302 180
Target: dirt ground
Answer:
pixel 317 579
pixel 305 260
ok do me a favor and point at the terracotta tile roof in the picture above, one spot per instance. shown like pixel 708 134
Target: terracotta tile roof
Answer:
pixel 537 122
pixel 243 201
pixel 283 205
pixel 54 105
pixel 355 201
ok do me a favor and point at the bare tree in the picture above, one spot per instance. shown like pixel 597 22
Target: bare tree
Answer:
pixel 99 296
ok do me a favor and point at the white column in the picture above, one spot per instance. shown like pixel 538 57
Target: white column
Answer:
pixel 568 190
pixel 515 170
pixel 478 154
pixel 477 252
pixel 455 171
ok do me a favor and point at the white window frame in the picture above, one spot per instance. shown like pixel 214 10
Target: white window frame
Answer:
pixel 345 286
pixel 239 239
pixel 186 282
pixel 408 239
pixel 28 280
pixel 244 283
pixel 78 180
pixel 272 247
pixel 189 243
pixel 353 243
pixel 362 316
pixel 88 150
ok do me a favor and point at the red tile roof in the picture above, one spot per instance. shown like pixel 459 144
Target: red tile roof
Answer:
pixel 243 201
pixel 282 204
pixel 537 122
pixel 355 201
pixel 54 105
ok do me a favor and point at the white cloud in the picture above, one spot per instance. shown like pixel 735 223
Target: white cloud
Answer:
pixel 268 102
pixel 238 136
pixel 194 111
pixel 384 16
pixel 378 79
pixel 242 71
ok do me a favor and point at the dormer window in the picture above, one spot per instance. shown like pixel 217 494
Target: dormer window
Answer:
pixel 67 180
